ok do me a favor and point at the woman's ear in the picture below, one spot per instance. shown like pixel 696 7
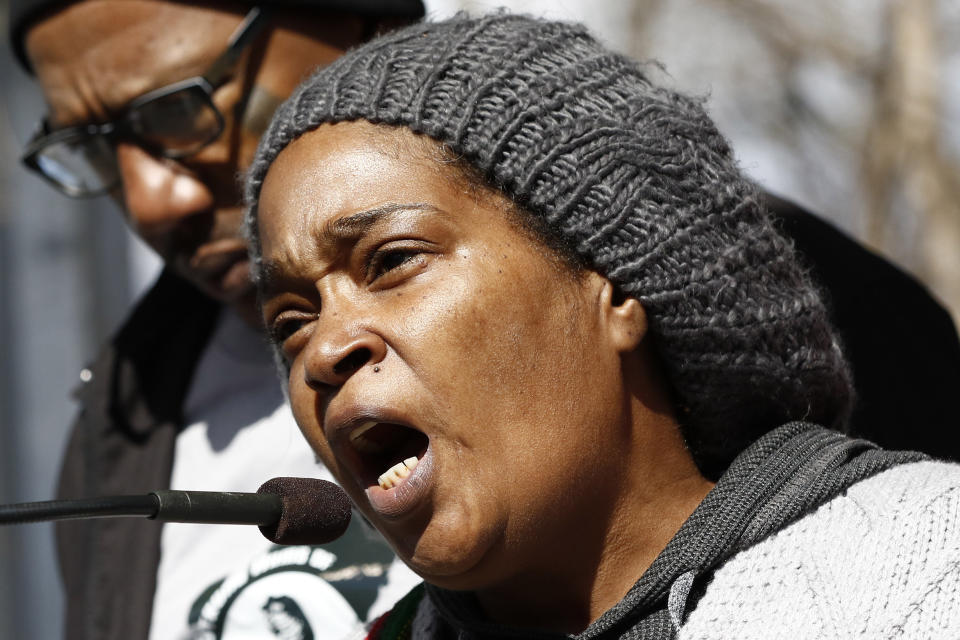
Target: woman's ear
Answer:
pixel 626 318
pixel 623 317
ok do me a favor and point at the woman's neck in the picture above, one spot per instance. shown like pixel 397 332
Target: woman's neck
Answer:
pixel 591 564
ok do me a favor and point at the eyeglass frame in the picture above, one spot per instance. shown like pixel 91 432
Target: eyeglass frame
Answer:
pixel 218 73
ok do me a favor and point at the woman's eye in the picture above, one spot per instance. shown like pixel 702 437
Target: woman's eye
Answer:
pixel 386 261
pixel 283 328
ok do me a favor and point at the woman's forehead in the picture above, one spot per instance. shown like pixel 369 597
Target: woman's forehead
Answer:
pixel 337 167
pixel 341 170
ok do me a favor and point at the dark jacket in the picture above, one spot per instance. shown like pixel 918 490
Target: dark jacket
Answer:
pixel 901 343
pixel 122 443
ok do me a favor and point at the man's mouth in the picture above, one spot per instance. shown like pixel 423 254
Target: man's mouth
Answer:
pixel 388 452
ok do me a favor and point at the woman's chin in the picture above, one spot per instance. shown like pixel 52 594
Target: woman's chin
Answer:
pixel 452 561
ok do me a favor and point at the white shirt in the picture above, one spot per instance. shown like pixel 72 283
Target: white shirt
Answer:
pixel 228 581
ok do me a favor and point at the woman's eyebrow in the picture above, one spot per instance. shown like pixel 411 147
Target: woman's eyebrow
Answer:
pixel 335 232
pixel 353 227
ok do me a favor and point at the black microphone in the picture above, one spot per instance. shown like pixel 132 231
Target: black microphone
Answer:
pixel 287 510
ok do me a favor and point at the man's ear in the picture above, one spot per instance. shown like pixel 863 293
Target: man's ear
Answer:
pixel 624 318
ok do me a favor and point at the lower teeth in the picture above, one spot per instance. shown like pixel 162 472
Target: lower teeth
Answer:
pixel 397 473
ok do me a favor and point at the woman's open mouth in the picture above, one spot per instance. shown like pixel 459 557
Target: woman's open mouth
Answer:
pixel 389 452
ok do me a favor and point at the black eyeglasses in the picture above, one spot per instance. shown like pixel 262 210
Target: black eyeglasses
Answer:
pixel 173 122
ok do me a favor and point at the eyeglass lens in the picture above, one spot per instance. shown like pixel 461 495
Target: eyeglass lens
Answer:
pixel 81 165
pixel 178 123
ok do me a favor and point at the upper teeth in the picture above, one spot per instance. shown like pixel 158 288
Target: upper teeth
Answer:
pixel 363 428
pixel 397 473
pixel 361 443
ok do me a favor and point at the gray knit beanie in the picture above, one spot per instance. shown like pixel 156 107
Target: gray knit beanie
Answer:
pixel 635 177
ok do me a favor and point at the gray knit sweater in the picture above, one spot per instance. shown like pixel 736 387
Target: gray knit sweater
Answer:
pixel 881 561
pixel 808 535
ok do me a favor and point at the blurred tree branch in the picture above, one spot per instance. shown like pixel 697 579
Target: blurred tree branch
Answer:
pixel 906 178
pixel 902 156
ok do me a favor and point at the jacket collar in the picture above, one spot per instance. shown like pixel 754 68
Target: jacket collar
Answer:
pixel 156 352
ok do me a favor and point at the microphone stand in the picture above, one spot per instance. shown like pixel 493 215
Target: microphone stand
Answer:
pixel 210 507
pixel 287 510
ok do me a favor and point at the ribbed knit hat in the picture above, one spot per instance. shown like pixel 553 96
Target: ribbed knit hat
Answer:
pixel 635 176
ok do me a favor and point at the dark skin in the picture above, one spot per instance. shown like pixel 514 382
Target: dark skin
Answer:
pixel 92 58
pixel 551 470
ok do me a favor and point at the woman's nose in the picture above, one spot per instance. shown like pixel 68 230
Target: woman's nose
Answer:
pixel 333 356
pixel 159 193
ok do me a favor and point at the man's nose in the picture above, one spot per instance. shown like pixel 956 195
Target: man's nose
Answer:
pixel 159 193
pixel 335 353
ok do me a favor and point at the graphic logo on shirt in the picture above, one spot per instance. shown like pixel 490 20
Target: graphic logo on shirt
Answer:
pixel 287 620
pixel 294 593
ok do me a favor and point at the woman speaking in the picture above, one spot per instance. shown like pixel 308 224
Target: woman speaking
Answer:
pixel 538 325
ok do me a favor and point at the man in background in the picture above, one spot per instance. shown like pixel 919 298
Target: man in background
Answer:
pixel 160 105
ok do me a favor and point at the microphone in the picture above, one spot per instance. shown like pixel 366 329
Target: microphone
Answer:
pixel 312 511
pixel 287 510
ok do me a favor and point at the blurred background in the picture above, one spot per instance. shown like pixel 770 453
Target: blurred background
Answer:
pixel 848 107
